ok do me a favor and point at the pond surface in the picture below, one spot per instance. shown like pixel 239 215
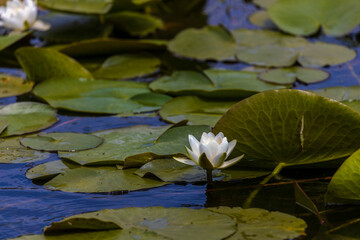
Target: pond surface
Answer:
pixel 26 207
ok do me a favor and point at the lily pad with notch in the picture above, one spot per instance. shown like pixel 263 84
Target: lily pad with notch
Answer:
pixel 62 142
pixel 26 117
pixel 13 86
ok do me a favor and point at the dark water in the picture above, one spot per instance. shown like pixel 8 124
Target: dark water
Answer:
pixel 25 208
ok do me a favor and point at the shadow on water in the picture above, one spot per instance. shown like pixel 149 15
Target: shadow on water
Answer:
pixel 25 208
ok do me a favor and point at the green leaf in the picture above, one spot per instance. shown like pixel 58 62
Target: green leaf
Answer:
pixel 262 19
pixel 194 109
pixel 140 144
pixel 344 187
pixel 13 86
pixel 306 16
pixel 86 179
pixel 67 28
pixel 78 6
pixel 41 64
pixel 290 75
pixel 210 42
pixel 128 66
pixel 49 170
pixel 99 96
pixel 264 3
pixel 213 83
pixel 291 127
pixel 341 94
pixel 26 117
pixel 171 223
pixel 260 224
pixel 62 142
pixel 11 151
pixel 6 41
pixel 135 23
pixel 321 54
pixel 110 46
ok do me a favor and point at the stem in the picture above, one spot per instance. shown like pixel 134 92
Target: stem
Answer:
pixel 209 176
pixel 253 194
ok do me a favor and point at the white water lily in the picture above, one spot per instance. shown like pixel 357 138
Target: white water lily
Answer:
pixel 211 152
pixel 21 15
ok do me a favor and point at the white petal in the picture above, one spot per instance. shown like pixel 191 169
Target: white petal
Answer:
pixel 194 144
pixel 206 150
pixel 204 138
pixel 223 147
pixel 185 161
pixel 41 26
pixel 220 137
pixel 218 160
pixel 231 162
pixel 232 144
pixel 194 157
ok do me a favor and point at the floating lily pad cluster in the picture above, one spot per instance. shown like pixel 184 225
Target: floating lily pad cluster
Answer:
pixel 175 223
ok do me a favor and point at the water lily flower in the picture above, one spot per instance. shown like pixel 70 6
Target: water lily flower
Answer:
pixel 210 153
pixel 20 16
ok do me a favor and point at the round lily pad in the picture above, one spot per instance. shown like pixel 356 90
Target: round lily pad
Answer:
pixel 262 19
pixel 290 75
pixel 13 86
pixel 291 127
pixel 80 6
pixel 11 151
pixel 62 142
pixel 26 117
pixel 128 66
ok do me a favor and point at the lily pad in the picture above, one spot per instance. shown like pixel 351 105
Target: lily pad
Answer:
pixel 264 3
pixel 99 96
pixel 260 224
pixel 194 109
pixel 171 223
pixel 11 151
pixel 169 170
pixel 3 125
pixel 41 64
pixel 342 94
pixel 62 142
pixel 26 117
pixel 321 54
pixel 49 170
pixel 290 75
pixel 67 27
pixel 13 86
pixel 135 23
pixel 210 42
pixel 78 6
pixel 109 179
pixel 110 46
pixel 305 17
pixel 6 41
pixel 291 127
pixel 262 19
pixel 128 66
pixel 344 187
pixel 138 142
pixel 212 83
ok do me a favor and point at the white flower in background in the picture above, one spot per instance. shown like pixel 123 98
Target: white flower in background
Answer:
pixel 210 153
pixel 21 15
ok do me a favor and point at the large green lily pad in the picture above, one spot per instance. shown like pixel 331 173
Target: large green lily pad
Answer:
pixel 344 187
pixel 49 170
pixel 109 179
pixel 6 41
pixel 11 151
pixel 128 66
pixel 212 83
pixel 169 170
pixel 79 6
pixel 291 127
pixel 290 75
pixel 135 23
pixel 99 96
pixel 305 17
pixel 26 117
pixel 209 42
pixel 67 27
pixel 260 224
pixel 138 142
pixel 13 86
pixel 62 142
pixel 194 109
pixel 110 46
pixel 41 64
